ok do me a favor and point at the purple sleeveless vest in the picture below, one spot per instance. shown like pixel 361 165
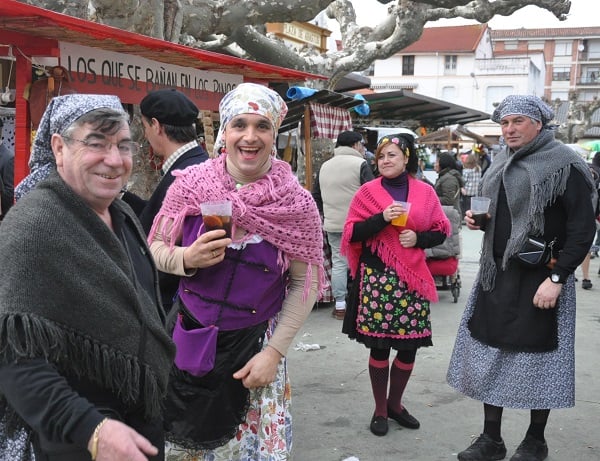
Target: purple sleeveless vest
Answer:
pixel 245 289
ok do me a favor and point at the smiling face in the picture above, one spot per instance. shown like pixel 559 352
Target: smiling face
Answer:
pixel 249 142
pixel 519 130
pixel 97 177
pixel 391 161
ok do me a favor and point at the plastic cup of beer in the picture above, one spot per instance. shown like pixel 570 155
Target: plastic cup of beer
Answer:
pixel 403 218
pixel 479 210
pixel 217 215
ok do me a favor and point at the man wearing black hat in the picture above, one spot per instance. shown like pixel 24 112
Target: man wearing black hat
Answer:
pixel 169 121
pixel 335 185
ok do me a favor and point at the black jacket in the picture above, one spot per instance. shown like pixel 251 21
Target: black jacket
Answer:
pixel 148 209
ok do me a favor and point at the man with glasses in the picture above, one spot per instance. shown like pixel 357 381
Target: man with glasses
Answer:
pixel 169 121
pixel 84 354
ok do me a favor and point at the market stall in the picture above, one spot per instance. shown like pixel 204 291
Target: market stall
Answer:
pixel 105 60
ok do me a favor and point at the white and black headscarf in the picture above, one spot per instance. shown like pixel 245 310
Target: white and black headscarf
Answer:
pixel 59 115
pixel 530 106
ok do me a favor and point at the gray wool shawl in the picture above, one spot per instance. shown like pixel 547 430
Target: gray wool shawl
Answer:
pixel 68 294
pixel 534 177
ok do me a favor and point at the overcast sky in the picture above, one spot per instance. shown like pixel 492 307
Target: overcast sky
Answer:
pixel 530 17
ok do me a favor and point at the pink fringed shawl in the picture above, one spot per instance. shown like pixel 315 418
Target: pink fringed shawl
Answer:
pixel 426 214
pixel 275 207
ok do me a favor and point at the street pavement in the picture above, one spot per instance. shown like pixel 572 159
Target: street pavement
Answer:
pixel 332 403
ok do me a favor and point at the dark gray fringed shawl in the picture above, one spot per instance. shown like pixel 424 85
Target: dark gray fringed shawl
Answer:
pixel 67 285
pixel 534 177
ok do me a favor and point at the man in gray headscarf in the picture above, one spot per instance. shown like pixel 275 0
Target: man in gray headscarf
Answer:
pixel 515 343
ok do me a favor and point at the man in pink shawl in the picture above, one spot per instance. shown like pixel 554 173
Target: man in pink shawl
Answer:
pixel 392 286
pixel 257 287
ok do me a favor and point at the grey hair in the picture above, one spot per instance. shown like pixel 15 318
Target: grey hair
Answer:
pixel 105 120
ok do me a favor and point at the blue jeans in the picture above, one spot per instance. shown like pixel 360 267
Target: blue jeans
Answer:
pixel 339 268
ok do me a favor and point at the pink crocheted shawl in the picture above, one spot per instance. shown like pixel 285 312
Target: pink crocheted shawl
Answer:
pixel 275 207
pixel 426 214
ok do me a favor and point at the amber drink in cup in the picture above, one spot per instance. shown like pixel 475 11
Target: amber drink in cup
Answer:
pixel 403 218
pixel 217 215
pixel 479 210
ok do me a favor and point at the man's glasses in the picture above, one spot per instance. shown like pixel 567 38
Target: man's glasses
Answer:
pixel 102 146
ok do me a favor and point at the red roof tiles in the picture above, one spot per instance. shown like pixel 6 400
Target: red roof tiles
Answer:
pixel 455 39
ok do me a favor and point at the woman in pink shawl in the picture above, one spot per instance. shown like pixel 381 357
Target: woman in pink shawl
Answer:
pixel 257 287
pixel 388 306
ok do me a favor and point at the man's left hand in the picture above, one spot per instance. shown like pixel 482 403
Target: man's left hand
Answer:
pixel 546 295
pixel 260 369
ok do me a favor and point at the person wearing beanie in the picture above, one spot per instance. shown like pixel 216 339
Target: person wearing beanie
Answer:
pixel 338 180
pixel 169 121
pixel 515 346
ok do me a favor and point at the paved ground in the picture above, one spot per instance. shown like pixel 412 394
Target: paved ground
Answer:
pixel 332 402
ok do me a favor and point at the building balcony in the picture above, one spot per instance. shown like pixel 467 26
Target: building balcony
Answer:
pixel 590 56
pixel 589 81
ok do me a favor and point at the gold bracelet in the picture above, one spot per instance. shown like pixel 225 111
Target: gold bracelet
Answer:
pixel 95 437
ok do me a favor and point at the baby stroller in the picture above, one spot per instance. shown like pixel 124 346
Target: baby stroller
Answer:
pixel 442 260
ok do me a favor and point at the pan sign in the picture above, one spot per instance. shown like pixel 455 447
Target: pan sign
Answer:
pixel 93 70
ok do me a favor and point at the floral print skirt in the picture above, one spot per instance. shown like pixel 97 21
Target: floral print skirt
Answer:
pixel 388 314
pixel 266 435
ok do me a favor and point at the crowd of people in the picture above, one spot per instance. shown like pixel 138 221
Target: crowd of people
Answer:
pixel 164 337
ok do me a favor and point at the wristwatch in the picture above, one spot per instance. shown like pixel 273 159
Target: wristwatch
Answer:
pixel 556 278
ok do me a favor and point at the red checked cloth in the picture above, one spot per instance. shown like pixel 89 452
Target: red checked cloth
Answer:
pixel 328 121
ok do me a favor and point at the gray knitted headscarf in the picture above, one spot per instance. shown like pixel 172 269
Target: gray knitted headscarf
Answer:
pixel 530 106
pixel 59 115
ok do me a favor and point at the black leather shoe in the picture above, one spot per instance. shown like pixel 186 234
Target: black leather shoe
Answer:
pixel 484 449
pixel 531 449
pixel 379 425
pixel 404 418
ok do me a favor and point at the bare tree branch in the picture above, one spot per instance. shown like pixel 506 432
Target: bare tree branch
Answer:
pixel 238 28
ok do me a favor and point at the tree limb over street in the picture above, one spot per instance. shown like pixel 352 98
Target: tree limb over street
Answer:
pixel 238 27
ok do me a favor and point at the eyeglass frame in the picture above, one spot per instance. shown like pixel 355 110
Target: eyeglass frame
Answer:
pixel 87 143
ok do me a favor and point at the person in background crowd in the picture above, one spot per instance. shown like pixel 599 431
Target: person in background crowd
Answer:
pixel 471 175
pixel 485 160
pixel 7 173
pixel 84 365
pixel 392 287
pixel 586 283
pixel 449 181
pixel 169 121
pixel 338 180
pixel 515 343
pixel 257 287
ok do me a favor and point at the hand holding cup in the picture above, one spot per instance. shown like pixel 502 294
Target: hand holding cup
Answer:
pixel 217 215
pixel 479 210
pixel 400 212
